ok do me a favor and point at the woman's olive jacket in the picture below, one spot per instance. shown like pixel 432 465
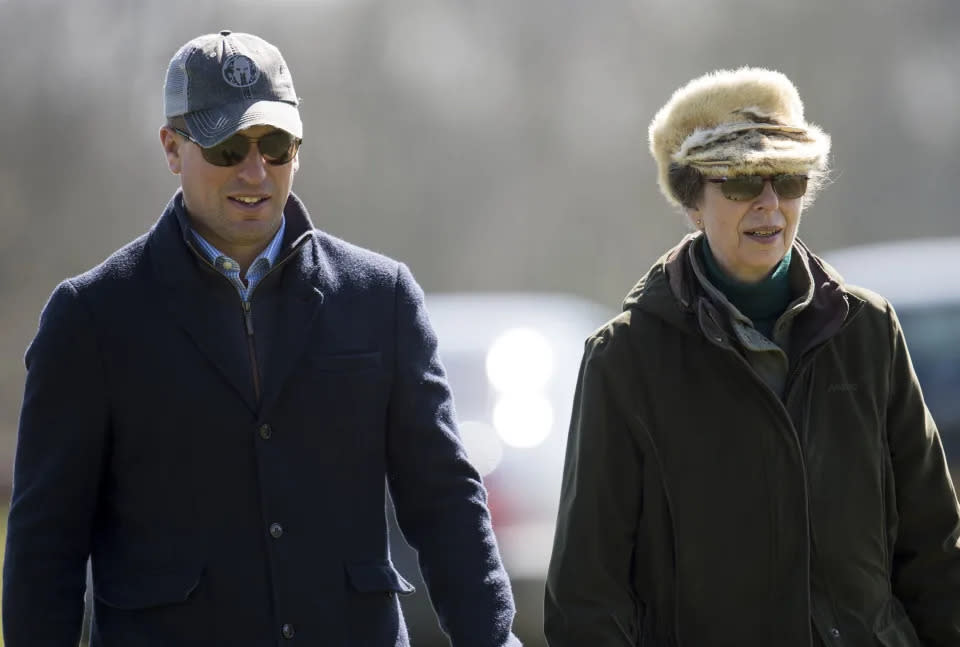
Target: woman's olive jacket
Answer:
pixel 699 509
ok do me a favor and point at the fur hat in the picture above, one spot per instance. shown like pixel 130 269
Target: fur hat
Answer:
pixel 745 121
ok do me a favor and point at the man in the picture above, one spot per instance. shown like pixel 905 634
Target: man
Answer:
pixel 210 414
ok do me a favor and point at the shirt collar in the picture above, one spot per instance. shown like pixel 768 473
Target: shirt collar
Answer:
pixel 269 253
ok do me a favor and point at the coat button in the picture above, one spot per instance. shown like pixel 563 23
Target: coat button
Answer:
pixel 834 632
pixel 276 530
pixel 287 631
pixel 265 432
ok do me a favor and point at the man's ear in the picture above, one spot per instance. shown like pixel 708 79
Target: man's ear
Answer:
pixel 171 143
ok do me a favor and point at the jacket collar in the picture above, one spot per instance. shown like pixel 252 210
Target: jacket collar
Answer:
pixel 174 225
pixel 671 291
pixel 285 305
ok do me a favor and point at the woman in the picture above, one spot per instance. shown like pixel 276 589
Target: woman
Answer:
pixel 750 461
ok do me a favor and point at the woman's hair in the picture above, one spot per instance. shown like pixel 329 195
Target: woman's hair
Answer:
pixel 686 184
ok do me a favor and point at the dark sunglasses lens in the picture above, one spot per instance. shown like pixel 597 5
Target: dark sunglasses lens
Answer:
pixel 748 187
pixel 744 187
pixel 278 147
pixel 228 153
pixel 790 186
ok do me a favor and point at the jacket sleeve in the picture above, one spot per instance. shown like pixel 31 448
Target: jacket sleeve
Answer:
pixel 926 560
pixel 438 496
pixel 56 479
pixel 589 598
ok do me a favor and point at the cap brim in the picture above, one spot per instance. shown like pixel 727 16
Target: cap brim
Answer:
pixel 210 127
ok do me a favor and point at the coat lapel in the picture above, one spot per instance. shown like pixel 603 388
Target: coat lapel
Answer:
pixel 285 306
pixel 204 304
pixel 285 318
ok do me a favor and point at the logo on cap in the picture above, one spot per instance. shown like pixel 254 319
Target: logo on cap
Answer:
pixel 240 72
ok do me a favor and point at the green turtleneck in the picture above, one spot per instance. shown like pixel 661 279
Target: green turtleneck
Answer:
pixel 761 302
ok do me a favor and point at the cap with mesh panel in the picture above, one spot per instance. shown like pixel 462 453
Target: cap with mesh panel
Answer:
pixel 225 82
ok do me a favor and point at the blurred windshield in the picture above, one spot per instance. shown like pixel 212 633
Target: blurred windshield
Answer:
pixel 933 337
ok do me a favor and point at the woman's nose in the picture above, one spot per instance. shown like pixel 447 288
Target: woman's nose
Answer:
pixel 768 198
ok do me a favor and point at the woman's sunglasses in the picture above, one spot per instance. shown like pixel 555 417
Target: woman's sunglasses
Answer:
pixel 748 187
pixel 277 147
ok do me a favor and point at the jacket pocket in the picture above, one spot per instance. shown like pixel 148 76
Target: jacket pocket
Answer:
pixel 898 631
pixel 372 605
pixel 346 362
pixel 377 577
pixel 144 591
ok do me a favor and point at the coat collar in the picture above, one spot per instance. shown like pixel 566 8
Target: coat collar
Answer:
pixel 284 306
pixel 171 236
pixel 671 291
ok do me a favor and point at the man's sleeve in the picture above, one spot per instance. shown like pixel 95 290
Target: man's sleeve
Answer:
pixel 588 596
pixel 438 496
pixel 926 560
pixel 55 480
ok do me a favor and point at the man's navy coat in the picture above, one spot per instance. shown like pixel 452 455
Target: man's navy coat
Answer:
pixel 217 517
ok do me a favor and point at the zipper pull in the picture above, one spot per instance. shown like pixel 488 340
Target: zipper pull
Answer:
pixel 248 317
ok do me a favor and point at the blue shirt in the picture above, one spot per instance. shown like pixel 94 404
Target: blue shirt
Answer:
pixel 231 269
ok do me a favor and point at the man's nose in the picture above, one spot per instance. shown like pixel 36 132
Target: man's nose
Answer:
pixel 253 168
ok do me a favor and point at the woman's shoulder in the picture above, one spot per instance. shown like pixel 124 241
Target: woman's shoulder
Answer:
pixel 610 336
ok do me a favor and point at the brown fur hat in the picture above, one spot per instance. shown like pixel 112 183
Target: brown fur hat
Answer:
pixel 744 121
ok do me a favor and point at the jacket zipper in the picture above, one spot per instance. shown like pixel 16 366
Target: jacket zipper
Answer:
pixel 251 347
pixel 781 407
pixel 819 638
pixel 792 376
pixel 247 306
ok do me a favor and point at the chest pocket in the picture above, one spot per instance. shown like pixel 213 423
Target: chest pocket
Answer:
pixel 345 362
pixel 351 388
pixel 343 400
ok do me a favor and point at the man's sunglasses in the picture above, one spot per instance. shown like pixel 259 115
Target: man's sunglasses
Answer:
pixel 277 147
pixel 748 187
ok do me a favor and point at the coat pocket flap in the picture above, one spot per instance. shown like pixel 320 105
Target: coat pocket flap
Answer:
pixel 346 362
pixel 373 577
pixel 142 591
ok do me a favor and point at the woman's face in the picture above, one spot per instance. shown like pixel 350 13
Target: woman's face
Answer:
pixel 748 238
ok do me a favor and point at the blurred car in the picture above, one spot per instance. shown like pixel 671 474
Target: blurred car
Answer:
pixel 512 361
pixel 920 279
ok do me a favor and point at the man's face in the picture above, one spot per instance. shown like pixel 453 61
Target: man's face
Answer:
pixel 235 208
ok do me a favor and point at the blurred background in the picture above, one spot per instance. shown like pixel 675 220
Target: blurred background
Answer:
pixel 495 146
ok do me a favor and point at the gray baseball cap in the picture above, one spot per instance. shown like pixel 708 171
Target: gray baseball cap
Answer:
pixel 222 83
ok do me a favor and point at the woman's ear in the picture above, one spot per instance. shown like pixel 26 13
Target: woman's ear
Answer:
pixel 695 217
pixel 171 148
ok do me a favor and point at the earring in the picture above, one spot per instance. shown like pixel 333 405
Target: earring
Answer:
pixel 699 224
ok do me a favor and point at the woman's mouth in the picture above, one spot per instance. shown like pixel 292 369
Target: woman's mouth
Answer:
pixel 763 233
